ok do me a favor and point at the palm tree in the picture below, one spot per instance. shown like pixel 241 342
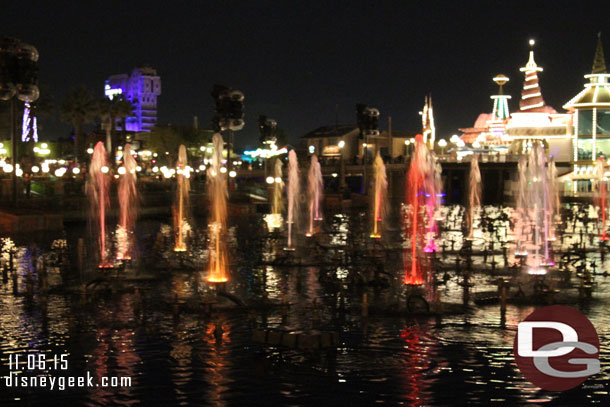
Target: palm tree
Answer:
pixel 106 110
pixel 111 110
pixel 79 108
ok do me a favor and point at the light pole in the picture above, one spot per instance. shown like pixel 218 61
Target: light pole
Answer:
pixel 368 124
pixel 442 143
pixel 364 151
pixel 19 79
pixel 229 114
pixel 342 185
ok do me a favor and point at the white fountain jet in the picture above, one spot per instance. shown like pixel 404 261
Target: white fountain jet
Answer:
pixel 315 188
pixel 293 190
pixel 379 195
pixel 128 204
pixel 474 195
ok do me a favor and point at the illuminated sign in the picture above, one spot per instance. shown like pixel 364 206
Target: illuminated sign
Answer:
pixel 266 153
pixel 331 150
pixel 111 93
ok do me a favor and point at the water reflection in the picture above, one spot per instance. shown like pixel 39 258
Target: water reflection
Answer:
pixel 152 324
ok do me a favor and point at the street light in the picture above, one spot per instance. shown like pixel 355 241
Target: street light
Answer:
pixel 442 143
pixel 342 184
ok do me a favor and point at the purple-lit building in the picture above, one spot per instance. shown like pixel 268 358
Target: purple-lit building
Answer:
pixel 141 88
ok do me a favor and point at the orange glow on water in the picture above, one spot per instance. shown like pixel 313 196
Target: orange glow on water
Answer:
pixel 217 280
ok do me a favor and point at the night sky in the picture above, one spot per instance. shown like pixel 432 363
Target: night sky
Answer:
pixel 296 61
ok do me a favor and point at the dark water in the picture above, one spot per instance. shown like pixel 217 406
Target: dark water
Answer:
pixel 151 327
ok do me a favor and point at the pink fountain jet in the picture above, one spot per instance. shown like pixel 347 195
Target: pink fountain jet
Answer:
pixel 97 191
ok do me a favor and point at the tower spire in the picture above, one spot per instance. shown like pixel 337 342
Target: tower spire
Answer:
pixel 531 95
pixel 500 108
pixel 500 113
pixel 599 62
pixel 429 132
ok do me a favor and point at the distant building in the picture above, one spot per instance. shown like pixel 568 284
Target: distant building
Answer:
pixel 141 88
pixel 325 142
pixel 515 132
pixel 591 110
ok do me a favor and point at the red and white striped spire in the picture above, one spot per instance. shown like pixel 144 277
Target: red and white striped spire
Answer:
pixel 531 95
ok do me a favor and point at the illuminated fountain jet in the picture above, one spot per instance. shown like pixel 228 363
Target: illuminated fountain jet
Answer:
pixel 97 193
pixel 274 219
pixel 474 195
pixel 315 189
pixel 554 203
pixel 601 195
pixel 293 191
pixel 421 202
pixel 180 209
pixel 539 207
pixel 433 194
pixel 379 195
pixel 218 193
pixel 521 220
pixel 128 205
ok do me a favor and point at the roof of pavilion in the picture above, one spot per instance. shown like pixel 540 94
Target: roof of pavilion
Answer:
pixel 594 95
pixel 331 131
